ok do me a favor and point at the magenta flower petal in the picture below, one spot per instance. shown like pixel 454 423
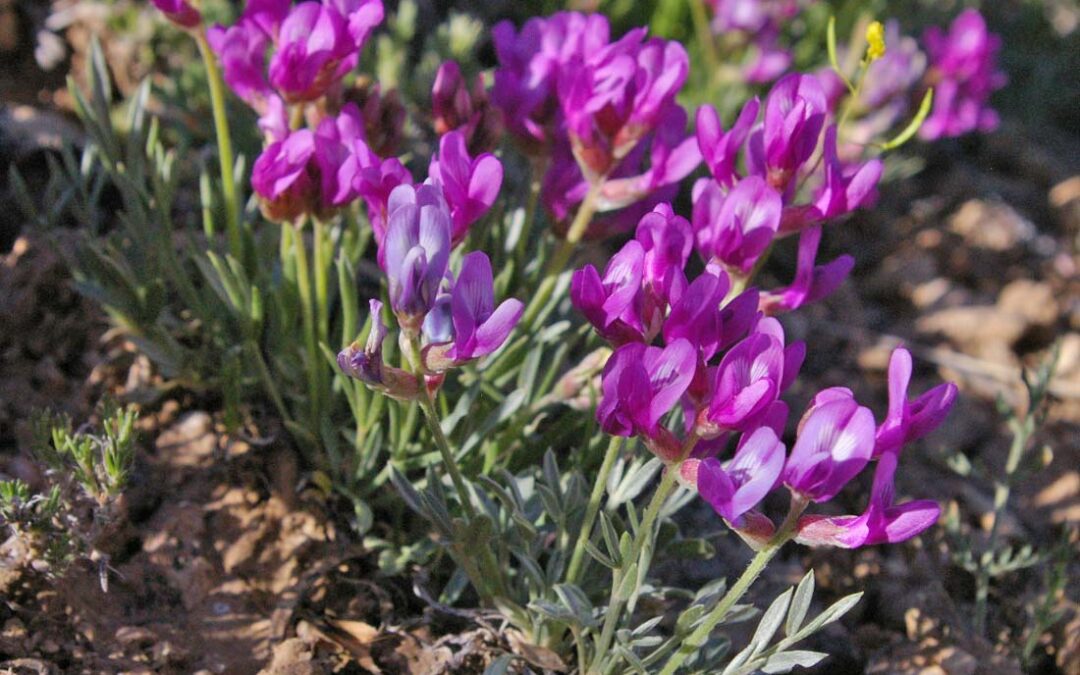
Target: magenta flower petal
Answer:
pixel 314 51
pixel 179 12
pixel 470 185
pixel 613 306
pixel 362 16
pixel 737 228
pixel 417 250
pixel 833 445
pixel 794 116
pixel 697 317
pixel 479 328
pixel 721 149
pixel 241 49
pixel 906 420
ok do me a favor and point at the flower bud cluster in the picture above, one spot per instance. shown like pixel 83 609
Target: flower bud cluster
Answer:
pixel 960 64
pixel 444 321
pixel 757 24
pixel 737 215
pixel 725 364
pixel 598 113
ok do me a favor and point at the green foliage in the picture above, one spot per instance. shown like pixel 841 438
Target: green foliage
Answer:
pixel 988 560
pixel 85 473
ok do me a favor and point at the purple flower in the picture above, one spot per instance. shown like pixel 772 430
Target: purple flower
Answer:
pixel 479 328
pixel 834 443
pixel 457 106
pixel 890 80
pixel 336 140
pixel 880 523
pixel 179 12
pixel 529 66
pixel 284 177
pixel 738 485
pixel 314 51
pixel 667 241
pixel 470 185
pixel 672 156
pixel 811 283
pixel 614 304
pixel 640 385
pixel 795 113
pixel 375 184
pixel 721 149
pixel 266 15
pixel 417 251
pixel 367 364
pixel 845 189
pixel 737 228
pixel 696 315
pixel 241 48
pixel 963 71
pixel 907 420
pixel 614 97
pixel 750 377
pixel 361 16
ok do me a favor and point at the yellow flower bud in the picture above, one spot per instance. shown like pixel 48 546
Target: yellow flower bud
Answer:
pixel 875 41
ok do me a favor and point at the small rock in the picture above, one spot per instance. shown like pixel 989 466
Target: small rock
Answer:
pixel 1032 300
pixel 974 325
pixel 1065 199
pixel 993 226
pixel 135 636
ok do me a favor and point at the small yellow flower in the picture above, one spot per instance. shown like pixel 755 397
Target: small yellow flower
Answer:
pixel 875 41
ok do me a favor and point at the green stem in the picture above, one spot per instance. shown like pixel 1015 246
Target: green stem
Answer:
pixel 432 417
pixel 489 575
pixel 705 36
pixel 307 307
pixel 225 149
pixel 735 593
pixel 268 381
pixel 644 532
pixel 592 510
pixel 562 254
pixel 322 283
pixel 1002 491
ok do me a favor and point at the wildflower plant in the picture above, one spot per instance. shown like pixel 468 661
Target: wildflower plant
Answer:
pixel 359 290
pixel 85 472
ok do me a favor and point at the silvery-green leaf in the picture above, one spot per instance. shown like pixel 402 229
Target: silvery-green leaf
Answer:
pixel 576 601
pixel 647 626
pixel 800 604
pixel 785 661
pixel 553 611
pixel 770 621
pixel 551 473
pixel 637 478
pixel 628 582
pixel 599 556
pixel 831 614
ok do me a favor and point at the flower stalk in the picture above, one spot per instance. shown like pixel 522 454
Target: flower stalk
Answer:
pixel 224 141
pixel 757 565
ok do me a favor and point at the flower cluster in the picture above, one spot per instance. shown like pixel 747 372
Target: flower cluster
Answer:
pixel 724 365
pixel 457 105
pixel 835 441
pixel 963 72
pixel 737 215
pixel 722 359
pixel 959 64
pixel 448 321
pixel 756 24
pixel 600 114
